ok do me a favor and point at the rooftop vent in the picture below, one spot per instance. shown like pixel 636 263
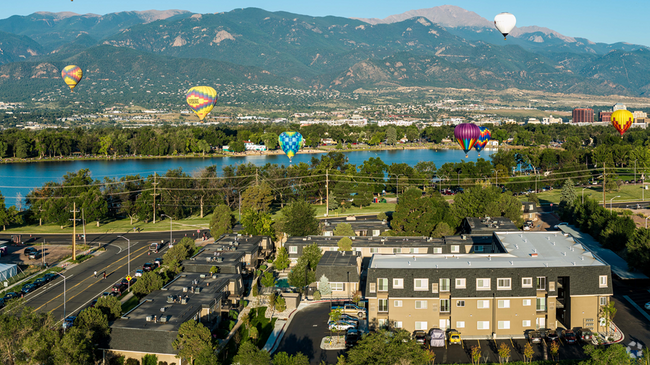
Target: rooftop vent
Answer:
pixel 185 289
pixel 563 253
pixel 308 238
pixel 463 237
pixel 208 259
pixel 202 276
pixel 163 319
pixel 533 255
pixel 170 299
pixel 162 309
pixel 512 262
pixel 304 238
pixel 469 263
pixel 184 300
pixel 553 243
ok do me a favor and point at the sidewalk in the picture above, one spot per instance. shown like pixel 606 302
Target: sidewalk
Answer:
pixel 280 327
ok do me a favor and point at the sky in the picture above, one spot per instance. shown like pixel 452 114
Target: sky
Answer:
pixel 597 20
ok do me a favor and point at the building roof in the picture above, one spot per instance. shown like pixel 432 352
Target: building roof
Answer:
pixel 522 250
pixel 487 225
pixel 366 241
pixel 339 266
pixel 365 223
pixel 136 331
pixel 339 258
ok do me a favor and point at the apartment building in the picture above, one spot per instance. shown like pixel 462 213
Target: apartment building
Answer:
pixel 343 270
pixel 535 280
pixel 152 326
pixel 486 225
pixel 362 226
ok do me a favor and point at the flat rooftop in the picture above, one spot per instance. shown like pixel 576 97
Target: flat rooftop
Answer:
pixel 522 250
pixel 339 258
pixel 490 224
pixel 365 241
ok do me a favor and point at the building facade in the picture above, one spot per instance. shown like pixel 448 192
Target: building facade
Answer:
pixel 541 280
pixel 583 115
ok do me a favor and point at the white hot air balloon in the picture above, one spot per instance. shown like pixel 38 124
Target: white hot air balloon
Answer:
pixel 504 23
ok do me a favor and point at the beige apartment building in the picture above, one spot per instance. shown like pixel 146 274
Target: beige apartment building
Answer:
pixel 535 280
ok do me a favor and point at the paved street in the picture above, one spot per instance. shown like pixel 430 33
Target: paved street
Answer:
pixel 632 319
pixel 82 286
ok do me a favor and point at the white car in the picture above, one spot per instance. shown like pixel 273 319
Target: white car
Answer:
pixel 342 325
pixel 138 273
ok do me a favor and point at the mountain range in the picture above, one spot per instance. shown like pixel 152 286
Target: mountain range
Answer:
pixel 445 46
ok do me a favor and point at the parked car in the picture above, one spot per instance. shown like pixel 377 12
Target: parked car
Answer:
pixel 570 337
pixel 553 336
pixel 2 302
pixel 342 325
pixel 93 303
pixel 345 317
pixel 29 250
pixel 119 288
pixel 585 335
pixel 40 282
pixel 147 267
pixel 158 261
pixel 68 322
pixel 126 282
pixel 352 309
pixel 138 273
pixel 28 288
pixel 437 337
pixel 352 336
pixel 420 336
pixel 35 255
pixel 11 295
pixel 454 338
pixel 49 277
pixel 534 337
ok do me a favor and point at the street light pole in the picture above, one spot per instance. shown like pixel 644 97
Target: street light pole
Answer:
pixel 397 180
pixel 64 296
pixel 170 227
pixel 611 203
pixel 128 260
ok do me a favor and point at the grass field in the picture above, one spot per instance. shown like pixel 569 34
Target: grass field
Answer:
pixel 627 193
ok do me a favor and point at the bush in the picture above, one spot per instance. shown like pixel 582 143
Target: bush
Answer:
pixel 132 361
pixel 316 295
pixel 117 360
pixel 255 290
pixel 382 216
pixel 150 359
pixel 280 304
pixel 263 267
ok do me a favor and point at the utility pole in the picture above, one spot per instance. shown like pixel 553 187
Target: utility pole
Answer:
pixel 604 201
pixel 327 192
pixel 74 231
pixel 43 252
pixel 83 222
pixel 257 177
pixel 154 197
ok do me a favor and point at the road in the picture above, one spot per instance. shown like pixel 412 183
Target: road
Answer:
pixel 81 285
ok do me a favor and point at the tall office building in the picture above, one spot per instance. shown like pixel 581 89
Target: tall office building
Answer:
pixel 583 115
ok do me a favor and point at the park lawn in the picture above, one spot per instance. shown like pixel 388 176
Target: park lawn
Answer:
pixel 372 209
pixel 626 193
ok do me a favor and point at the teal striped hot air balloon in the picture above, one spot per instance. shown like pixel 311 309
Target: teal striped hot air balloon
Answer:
pixel 290 143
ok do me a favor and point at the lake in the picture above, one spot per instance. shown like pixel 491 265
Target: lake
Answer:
pixel 23 177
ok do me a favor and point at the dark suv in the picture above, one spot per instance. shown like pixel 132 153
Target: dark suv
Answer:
pixel 119 288
pixel 147 267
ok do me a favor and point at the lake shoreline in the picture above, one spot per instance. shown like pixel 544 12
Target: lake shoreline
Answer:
pixel 432 146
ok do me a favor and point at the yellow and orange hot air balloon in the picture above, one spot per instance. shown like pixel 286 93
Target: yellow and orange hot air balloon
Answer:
pixel 622 120
pixel 201 99
pixel 72 75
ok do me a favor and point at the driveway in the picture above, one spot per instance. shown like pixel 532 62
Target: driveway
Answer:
pixel 307 329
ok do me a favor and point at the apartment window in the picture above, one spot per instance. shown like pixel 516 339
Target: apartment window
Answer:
pixel 373 288
pixel 338 286
pixel 455 248
pixel 444 305
pixel 460 324
pixel 478 248
pixel 383 305
pixel 551 286
pixel 382 284
pixel 420 284
pixel 504 303
pixel 421 326
pixel 482 284
pixel 293 249
pixel 460 283
pixel 398 324
pixel 541 283
pixel 334 248
pixel 482 304
pixel 397 250
pixel 526 282
pixel 397 303
pixel 375 232
pixel 374 250
pixel 483 325
pixel 413 250
pixel 437 250
pixel 503 284
pixel 382 322
pixel 526 323
pixel 398 283
pixel 460 303
pixel 603 300
pixel 434 287
pixel 504 325
pixel 444 284
pixel 602 280
pixel 526 303
pixel 420 304
pixel 541 304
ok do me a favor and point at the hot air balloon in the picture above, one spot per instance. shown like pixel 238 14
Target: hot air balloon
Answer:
pixel 466 135
pixel 72 75
pixel 622 120
pixel 504 23
pixel 483 139
pixel 290 142
pixel 201 99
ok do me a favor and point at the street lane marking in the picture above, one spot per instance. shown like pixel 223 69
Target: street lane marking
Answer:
pixel 91 277
pixel 645 314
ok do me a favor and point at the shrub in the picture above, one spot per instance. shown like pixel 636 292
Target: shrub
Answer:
pixel 316 295
pixel 280 304
pixel 132 361
pixel 150 359
pixel 382 216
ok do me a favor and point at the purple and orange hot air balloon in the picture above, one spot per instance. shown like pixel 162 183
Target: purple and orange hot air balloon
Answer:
pixel 466 135
pixel 483 139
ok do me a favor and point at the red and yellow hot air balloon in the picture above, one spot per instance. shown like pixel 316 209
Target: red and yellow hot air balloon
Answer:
pixel 72 75
pixel 622 120
pixel 201 99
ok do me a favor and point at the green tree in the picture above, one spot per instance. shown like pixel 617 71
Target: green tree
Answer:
pixel 94 323
pixel 611 355
pixel 280 304
pixel 638 249
pixel 418 215
pixel 150 359
pixel 282 261
pixel 391 136
pixel 299 219
pixel 608 312
pixel 268 280
pixel 504 352
pixel 387 348
pixel 282 358
pixel 74 348
pixel 249 354
pixel 345 244
pixel 324 286
pixel 442 229
pixel 257 223
pixel 301 275
pixel 110 306
pixel 344 229
pixel 222 221
pixel 206 357
pixel 528 352
pixel 257 197
pixel 147 283
pixel 192 339
pixel 270 141
pixel 568 195
pixel 237 146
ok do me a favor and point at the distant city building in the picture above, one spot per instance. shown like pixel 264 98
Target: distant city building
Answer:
pixel 618 106
pixel 400 123
pixel 639 114
pixel 551 120
pixel 533 121
pixel 605 116
pixel 583 115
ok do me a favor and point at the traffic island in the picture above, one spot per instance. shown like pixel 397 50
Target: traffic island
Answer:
pixel 333 343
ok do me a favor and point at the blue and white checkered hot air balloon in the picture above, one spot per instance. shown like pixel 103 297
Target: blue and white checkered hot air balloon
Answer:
pixel 290 142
